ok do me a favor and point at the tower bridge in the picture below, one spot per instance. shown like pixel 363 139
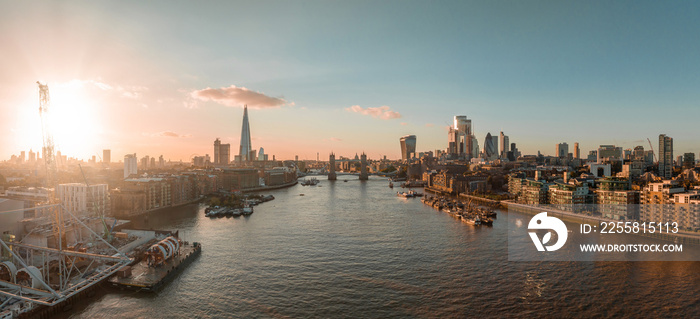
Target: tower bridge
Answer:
pixel 333 175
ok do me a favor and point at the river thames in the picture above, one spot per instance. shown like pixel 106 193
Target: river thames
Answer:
pixel 355 250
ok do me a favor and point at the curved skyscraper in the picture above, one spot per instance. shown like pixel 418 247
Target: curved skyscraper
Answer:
pixel 490 148
pixel 245 152
pixel 408 146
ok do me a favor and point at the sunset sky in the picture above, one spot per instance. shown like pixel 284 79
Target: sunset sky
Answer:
pixel 168 77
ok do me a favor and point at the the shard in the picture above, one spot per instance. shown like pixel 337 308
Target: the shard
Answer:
pixel 246 151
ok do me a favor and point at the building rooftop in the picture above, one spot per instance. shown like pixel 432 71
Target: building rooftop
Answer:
pixel 144 179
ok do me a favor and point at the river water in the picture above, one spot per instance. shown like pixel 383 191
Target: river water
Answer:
pixel 355 250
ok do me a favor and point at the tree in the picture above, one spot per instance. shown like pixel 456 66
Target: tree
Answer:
pixel 389 169
pixel 402 171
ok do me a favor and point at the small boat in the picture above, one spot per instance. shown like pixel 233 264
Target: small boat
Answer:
pixel 345 181
pixel 309 182
pixel 301 194
pixel 476 221
pixel 391 185
pixel 247 210
pixel 415 194
pixel 209 212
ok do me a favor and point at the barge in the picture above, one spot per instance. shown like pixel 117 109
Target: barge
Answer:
pixel 149 275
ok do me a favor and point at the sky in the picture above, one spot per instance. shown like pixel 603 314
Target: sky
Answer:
pixel 169 77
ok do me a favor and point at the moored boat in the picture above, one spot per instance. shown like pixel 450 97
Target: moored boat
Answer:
pixel 310 182
pixel 476 221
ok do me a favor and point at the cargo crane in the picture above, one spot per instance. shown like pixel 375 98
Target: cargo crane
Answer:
pixel 49 155
pixel 48 150
pixel 50 274
pixel 652 150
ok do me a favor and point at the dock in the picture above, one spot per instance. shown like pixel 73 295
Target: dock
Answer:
pixel 141 277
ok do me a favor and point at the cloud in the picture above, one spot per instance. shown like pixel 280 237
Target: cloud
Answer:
pixel 382 112
pixel 332 139
pixel 429 124
pixel 132 92
pixel 404 123
pixel 239 96
pixel 171 134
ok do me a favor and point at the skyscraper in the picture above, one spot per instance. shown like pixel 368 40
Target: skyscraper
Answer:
pixel 453 141
pixel 217 150
pixel 474 146
pixel 130 165
pixel 665 156
pixel 463 124
pixel 505 144
pixel 246 150
pixel 106 156
pixel 222 153
pixel 577 151
pixel 408 146
pixel 490 148
pixel 688 160
pixel 225 154
pixel 562 150
pixel 495 146
pixel 462 136
pixel 502 145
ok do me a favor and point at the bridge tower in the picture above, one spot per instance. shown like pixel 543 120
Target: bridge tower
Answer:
pixel 363 167
pixel 331 168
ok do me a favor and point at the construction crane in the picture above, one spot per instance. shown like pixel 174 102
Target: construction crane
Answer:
pixel 652 150
pixel 49 157
pixel 48 150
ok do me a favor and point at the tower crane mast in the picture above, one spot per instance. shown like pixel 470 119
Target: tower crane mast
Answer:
pixel 652 150
pixel 48 150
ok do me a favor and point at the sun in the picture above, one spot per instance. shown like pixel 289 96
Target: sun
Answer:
pixel 74 120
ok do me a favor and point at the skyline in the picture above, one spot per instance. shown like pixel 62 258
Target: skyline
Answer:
pixel 169 78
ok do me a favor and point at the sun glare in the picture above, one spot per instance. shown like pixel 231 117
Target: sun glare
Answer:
pixel 74 120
